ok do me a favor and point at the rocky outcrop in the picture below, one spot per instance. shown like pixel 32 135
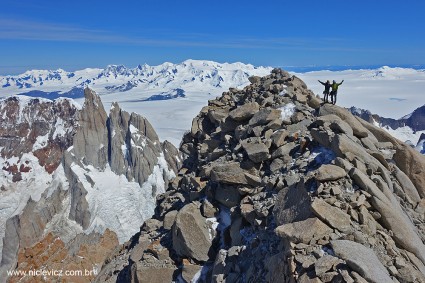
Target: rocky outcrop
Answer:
pixel 134 145
pixel 412 163
pixel 290 190
pixel 125 143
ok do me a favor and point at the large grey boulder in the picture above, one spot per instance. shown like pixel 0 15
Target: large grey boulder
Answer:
pixel 407 185
pixel 278 137
pixel 191 236
pixel 335 123
pixel 345 147
pixel 362 260
pixel 232 173
pixel 244 112
pixel 380 134
pixel 393 217
pixel 264 116
pixel 303 231
pixel 257 152
pixel 284 150
pixel 154 271
pixel 412 163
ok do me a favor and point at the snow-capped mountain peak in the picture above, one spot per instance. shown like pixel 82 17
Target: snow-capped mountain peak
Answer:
pixel 167 76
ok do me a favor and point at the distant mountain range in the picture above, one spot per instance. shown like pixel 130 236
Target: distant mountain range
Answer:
pixel 188 75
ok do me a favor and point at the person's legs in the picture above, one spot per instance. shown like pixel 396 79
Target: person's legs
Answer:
pixel 334 99
pixel 325 96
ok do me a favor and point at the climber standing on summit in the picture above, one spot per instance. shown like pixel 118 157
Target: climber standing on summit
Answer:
pixel 334 91
pixel 326 91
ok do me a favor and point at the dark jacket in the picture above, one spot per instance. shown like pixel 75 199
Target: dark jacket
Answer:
pixel 327 86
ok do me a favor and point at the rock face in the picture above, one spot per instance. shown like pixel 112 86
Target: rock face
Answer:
pixel 91 140
pixel 82 253
pixel 41 127
pixel 76 172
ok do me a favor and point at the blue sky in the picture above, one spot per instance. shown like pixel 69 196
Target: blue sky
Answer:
pixel 77 34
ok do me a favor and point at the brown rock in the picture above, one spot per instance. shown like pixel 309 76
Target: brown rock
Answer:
pixel 278 137
pixel 264 116
pixel 325 264
pixel 329 172
pixel 154 271
pixel 332 215
pixel 169 219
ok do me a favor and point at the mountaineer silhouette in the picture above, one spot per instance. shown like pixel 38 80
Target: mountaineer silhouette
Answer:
pixel 326 91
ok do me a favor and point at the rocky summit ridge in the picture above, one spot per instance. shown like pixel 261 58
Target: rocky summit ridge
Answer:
pixel 276 186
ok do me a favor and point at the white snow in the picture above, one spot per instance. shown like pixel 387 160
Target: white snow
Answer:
pixel 405 134
pixel 421 146
pixel 60 129
pixel 33 184
pixel 119 204
pixel 41 142
pixel 287 111
pixel 213 221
